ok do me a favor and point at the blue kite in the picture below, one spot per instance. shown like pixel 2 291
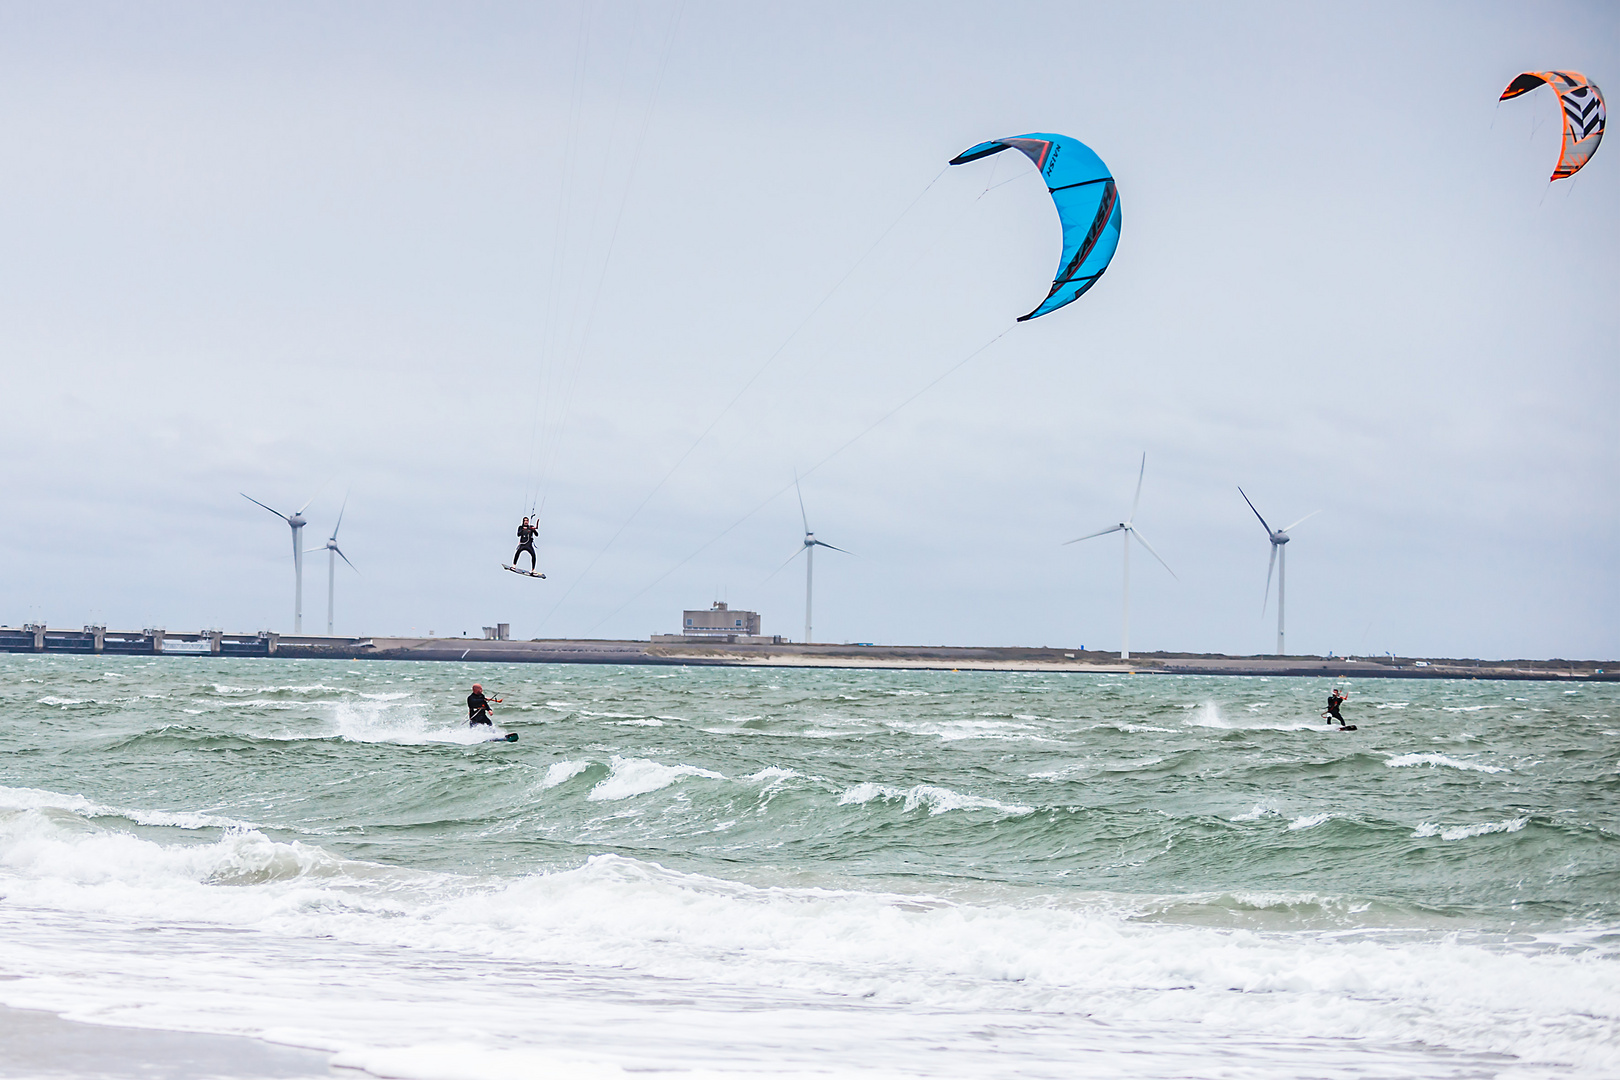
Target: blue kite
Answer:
pixel 1087 204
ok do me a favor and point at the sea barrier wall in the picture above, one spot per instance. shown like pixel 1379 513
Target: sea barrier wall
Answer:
pixel 33 638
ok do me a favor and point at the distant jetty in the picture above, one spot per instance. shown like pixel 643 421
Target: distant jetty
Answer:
pixel 712 652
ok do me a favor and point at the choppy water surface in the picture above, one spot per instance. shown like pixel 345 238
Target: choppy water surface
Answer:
pixel 756 871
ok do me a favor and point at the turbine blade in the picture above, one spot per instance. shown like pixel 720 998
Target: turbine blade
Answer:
pixel 1302 520
pixel 256 502
pixel 823 543
pixel 1136 501
pixel 1088 536
pixel 802 516
pixel 345 558
pixel 1270 566
pixel 1143 541
pixel 779 569
pixel 1263 524
pixel 312 498
pixel 339 524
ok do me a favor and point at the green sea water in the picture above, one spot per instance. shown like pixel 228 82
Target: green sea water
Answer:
pixel 680 823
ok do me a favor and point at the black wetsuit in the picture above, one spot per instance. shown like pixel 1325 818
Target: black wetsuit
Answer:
pixel 478 710
pixel 526 534
pixel 1334 701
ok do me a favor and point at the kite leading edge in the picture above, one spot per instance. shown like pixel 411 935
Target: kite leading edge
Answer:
pixel 1087 203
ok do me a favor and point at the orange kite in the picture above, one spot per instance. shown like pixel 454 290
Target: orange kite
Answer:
pixel 1582 103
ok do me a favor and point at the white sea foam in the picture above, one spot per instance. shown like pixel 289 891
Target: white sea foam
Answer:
pixel 393 721
pixel 938 800
pixel 221 688
pixel 1066 772
pixel 472 1061
pixel 563 771
pixel 1401 761
pixel 1463 832
pixel 772 777
pixel 1309 821
pixel 1208 715
pixel 957 730
pixel 380 963
pixel 628 777
pixel 1131 729
pixel 16 798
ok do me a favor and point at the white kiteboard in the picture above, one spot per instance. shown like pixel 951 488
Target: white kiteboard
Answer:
pixel 525 573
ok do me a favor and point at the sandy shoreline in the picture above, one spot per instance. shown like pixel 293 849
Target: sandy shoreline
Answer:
pixel 41 1044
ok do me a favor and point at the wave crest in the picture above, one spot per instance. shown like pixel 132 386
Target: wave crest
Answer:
pixel 939 800
pixel 1402 761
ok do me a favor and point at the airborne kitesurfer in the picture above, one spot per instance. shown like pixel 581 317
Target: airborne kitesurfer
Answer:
pixel 526 535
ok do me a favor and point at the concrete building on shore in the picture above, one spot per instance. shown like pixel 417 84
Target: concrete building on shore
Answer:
pixel 719 623
pixel 720 619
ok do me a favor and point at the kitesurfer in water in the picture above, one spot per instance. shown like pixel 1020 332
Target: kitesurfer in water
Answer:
pixel 526 535
pixel 478 707
pixel 1335 699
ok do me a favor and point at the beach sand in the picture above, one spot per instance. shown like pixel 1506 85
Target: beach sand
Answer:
pixel 41 1044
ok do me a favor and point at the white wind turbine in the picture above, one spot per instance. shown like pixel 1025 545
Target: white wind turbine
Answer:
pixel 297 521
pixel 1129 529
pixel 1279 562
pixel 331 548
pixel 809 551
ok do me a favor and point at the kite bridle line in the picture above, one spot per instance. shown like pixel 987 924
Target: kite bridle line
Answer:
pixel 547 351
pixel 564 352
pixel 576 367
pixel 941 377
pixel 752 379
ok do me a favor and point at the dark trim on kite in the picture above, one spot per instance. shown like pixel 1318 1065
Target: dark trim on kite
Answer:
pixel 1523 84
pixel 1105 210
pixel 1083 183
pixel 964 157
pixel 1089 282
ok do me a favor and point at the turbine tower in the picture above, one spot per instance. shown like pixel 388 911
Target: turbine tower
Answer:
pixel 297 521
pixel 1129 529
pixel 331 547
pixel 1279 562
pixel 810 545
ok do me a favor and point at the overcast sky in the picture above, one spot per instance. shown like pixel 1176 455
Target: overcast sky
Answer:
pixel 448 258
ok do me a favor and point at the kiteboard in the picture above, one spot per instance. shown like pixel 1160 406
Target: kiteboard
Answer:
pixel 502 736
pixel 525 573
